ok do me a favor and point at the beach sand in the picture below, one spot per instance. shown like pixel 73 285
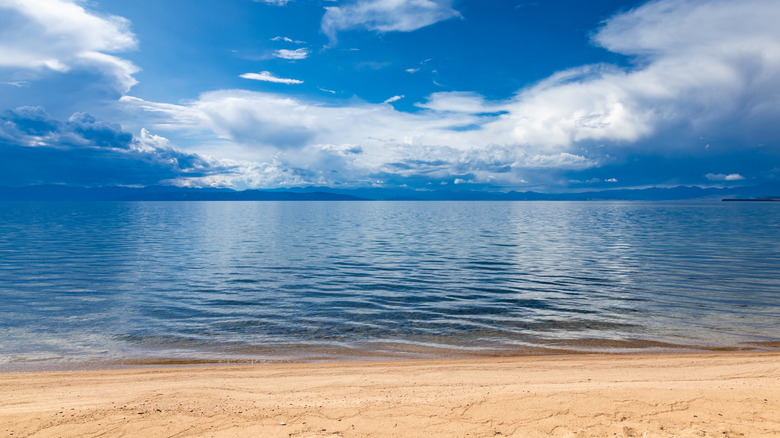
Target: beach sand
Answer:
pixel 712 395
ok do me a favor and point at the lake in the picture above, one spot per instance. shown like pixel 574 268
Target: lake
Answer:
pixel 101 284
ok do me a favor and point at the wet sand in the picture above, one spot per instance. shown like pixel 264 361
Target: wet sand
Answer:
pixel 724 395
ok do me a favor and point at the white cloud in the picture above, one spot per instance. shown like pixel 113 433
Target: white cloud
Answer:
pixel 296 54
pixel 268 77
pixel 60 35
pixel 412 70
pixel 287 40
pixel 456 102
pixel 273 2
pixel 724 177
pixel 17 84
pixel 713 78
pixel 591 103
pixel 311 136
pixel 563 160
pixel 703 66
pixel 248 174
pixel 385 15
pixel 394 99
pixel 244 114
pixel 668 28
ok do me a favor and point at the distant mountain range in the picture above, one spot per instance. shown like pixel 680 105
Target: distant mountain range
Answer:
pixel 767 191
pixel 159 193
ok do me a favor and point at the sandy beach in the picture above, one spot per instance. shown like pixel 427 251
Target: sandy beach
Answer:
pixel 724 395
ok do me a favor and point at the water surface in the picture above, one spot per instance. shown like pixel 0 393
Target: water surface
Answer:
pixel 95 284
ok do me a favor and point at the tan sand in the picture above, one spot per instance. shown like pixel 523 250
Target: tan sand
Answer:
pixel 713 395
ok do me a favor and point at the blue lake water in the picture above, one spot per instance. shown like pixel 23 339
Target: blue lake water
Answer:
pixel 99 284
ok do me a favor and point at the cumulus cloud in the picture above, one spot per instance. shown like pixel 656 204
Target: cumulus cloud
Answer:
pixel 60 36
pixel 32 126
pixel 348 144
pixel 268 77
pixel 296 54
pixel 385 15
pixel 37 149
pixel 266 117
pixel 702 69
pixel 665 28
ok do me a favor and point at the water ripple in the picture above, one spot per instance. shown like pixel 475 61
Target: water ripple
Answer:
pixel 108 282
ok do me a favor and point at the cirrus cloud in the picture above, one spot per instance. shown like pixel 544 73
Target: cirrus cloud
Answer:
pixel 267 76
pixel 287 40
pixel 273 2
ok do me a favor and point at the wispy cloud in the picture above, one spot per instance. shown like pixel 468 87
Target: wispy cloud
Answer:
pixel 268 77
pixel 296 54
pixel 394 99
pixel 17 84
pixel 287 40
pixel 724 177
pixel 385 15
pixel 273 2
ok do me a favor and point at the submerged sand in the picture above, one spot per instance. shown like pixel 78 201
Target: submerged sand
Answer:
pixel 723 395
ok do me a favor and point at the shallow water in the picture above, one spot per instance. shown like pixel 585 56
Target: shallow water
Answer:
pixel 95 284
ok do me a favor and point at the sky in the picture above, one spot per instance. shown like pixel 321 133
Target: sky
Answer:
pixel 543 95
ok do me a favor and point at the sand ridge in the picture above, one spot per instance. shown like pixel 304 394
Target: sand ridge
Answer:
pixel 723 395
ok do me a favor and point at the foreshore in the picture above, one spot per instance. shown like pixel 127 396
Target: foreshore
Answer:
pixel 723 394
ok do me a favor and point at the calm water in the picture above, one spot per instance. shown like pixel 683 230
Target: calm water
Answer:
pixel 96 284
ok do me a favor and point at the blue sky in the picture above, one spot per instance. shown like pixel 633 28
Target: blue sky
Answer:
pixel 429 94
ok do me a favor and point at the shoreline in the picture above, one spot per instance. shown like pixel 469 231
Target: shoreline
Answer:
pixel 147 362
pixel 338 356
pixel 703 394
